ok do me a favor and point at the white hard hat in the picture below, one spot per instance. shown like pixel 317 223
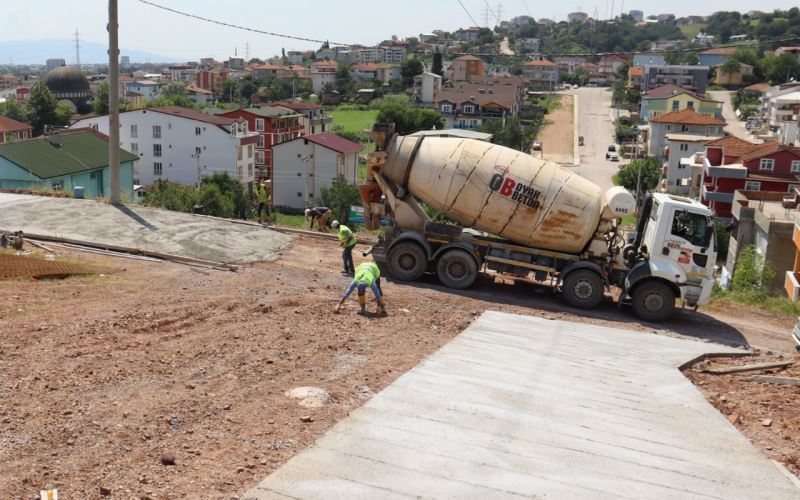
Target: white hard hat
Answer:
pixel 335 224
pixel 307 210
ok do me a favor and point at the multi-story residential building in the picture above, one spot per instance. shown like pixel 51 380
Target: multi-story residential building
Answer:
pixel 570 64
pixel 635 76
pixel 273 126
pixel 716 56
pixel 13 131
pixel 669 98
pixel 181 73
pixel 298 56
pixel 313 119
pixel 542 74
pixel 213 80
pixel 183 145
pixel 691 77
pixel 264 71
pixel 52 64
pixel 426 86
pixel 469 104
pixel 467 34
pixel 467 68
pixel 636 15
pixel 148 89
pixel 367 55
pixel 760 220
pixel 394 54
pixel 685 122
pixel 305 165
pixel 733 164
pixel 784 107
pixel 235 63
pixel 609 64
pixel 374 72
pixel 680 176
pixel 321 79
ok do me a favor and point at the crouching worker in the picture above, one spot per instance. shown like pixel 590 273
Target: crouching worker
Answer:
pixel 367 275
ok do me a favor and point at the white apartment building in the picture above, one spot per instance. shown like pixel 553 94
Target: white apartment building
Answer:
pixel 182 145
pixel 148 89
pixel 394 54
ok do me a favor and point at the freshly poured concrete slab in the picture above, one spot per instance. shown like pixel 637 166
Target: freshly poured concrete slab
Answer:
pixel 140 227
pixel 524 407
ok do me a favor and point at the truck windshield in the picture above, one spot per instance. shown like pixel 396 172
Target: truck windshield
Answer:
pixel 692 227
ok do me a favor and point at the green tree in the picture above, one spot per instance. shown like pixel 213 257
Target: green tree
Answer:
pixel 64 109
pixel 214 201
pixel 339 197
pixel 650 175
pixel 752 274
pixel 344 84
pixel 41 107
pixel 230 91
pixel 406 120
pixel 513 134
pixel 436 66
pixel 14 109
pixel 781 69
pixel 171 196
pixel 247 88
pixel 100 103
pixel 410 68
pixel 173 89
pixel 233 190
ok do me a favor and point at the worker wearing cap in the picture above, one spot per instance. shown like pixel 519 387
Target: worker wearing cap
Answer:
pixel 320 215
pixel 262 199
pixel 367 275
pixel 347 241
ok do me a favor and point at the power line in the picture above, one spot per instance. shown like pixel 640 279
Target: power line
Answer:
pixel 525 4
pixel 474 22
pixel 244 28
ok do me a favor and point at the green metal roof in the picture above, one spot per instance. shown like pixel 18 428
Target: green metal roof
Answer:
pixel 61 154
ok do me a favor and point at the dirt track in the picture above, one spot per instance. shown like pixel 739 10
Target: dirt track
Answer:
pixel 103 375
pixel 557 137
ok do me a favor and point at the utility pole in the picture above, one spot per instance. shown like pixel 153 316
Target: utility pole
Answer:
pixel 113 104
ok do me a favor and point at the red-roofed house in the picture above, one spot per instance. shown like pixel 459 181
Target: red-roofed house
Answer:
pixel 635 75
pixel 733 164
pixel 303 166
pixel 12 130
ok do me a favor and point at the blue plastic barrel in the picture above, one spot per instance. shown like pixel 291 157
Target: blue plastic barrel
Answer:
pixel 78 191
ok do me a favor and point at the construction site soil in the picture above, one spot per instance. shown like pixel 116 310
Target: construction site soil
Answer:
pixel 166 381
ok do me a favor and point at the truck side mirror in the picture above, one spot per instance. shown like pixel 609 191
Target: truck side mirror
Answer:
pixel 709 235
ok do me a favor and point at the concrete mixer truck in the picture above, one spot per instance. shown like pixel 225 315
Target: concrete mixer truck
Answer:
pixel 531 219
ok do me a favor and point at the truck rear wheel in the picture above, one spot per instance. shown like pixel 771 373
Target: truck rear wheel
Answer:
pixel 653 301
pixel 583 289
pixel 457 269
pixel 407 261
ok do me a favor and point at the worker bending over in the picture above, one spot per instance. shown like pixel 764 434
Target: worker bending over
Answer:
pixel 347 241
pixel 367 275
pixel 320 215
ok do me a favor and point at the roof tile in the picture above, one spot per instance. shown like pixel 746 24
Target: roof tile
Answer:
pixel 687 117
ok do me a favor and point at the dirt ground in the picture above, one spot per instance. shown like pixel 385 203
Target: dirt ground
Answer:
pixel 767 413
pixel 103 377
pixel 557 137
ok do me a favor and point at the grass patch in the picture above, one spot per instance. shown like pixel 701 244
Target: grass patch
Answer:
pixel 353 120
pixel 629 221
pixel 298 221
pixel 766 302
pixel 692 30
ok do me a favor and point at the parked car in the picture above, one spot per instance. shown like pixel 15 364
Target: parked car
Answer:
pixel 613 157
pixel 796 334
pixel 537 146
pixel 611 149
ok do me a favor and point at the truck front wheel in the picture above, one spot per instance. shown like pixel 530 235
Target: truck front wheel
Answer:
pixel 407 261
pixel 457 269
pixel 583 289
pixel 653 301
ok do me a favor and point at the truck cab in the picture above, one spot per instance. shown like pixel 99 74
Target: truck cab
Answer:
pixel 676 247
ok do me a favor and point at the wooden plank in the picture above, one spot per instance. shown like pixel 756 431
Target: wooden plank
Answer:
pixel 520 264
pixel 774 380
pixel 747 368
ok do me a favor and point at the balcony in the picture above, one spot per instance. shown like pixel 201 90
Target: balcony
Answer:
pixel 733 171
pixel 708 194
pixel 792 285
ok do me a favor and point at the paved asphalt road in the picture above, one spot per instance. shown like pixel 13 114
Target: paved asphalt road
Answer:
pixel 734 126
pixel 597 129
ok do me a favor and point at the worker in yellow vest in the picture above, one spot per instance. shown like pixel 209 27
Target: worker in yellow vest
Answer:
pixel 262 201
pixel 367 275
pixel 347 241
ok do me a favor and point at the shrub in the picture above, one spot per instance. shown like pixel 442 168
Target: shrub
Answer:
pixel 339 197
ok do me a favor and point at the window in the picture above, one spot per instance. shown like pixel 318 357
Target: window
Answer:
pixel 57 185
pixel 339 164
pixel 692 228
pixel 259 124
pixel 690 105
pixel 792 188
pixel 684 147
pixel 795 166
pixel 711 130
pixel 134 131
pixel 197 131
pixel 249 150
pixel 250 170
pixel 157 168
pixel 157 150
pixel 197 151
pixel 156 131
pixel 684 128
pixel 676 105
pixel 260 144
pixel 752 186
pixel 239 155
pixel 469 109
pixel 766 164
pixel 260 157
pixel 447 108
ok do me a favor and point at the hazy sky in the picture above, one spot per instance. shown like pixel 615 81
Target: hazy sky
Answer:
pixel 143 27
